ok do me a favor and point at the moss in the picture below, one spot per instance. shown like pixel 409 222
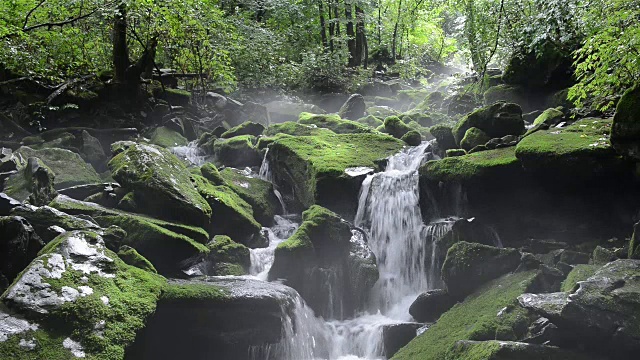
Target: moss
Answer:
pixel 176 96
pixel 491 163
pixel 295 129
pixel 211 173
pixel 550 117
pixel 455 152
pixel 381 111
pixel 444 136
pixel 485 350
pixel 474 137
pixel 395 127
pixel 580 272
pixel 415 126
pixel 174 291
pixel 238 151
pixel 495 120
pixel 626 122
pixel 69 168
pixel 165 137
pixel 309 159
pixel 246 128
pixel 371 121
pixel 492 312
pixel 132 296
pixel 579 150
pixel 415 96
pixel 257 192
pixel 333 123
pixel 223 249
pixel 162 183
pixel 130 256
pixel 412 138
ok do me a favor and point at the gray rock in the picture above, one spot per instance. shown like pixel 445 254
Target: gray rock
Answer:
pixel 353 108
pixel 396 336
pixel 509 350
pixel 19 244
pixel 430 305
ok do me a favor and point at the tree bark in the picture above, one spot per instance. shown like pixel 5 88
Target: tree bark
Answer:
pixel 323 26
pixel 120 49
pixel 351 36
pixel 360 36
pixel 394 42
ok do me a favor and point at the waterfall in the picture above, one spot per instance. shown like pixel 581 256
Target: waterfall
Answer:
pixel 262 258
pixel 389 208
pixel 435 231
pixel 265 169
pixel 191 152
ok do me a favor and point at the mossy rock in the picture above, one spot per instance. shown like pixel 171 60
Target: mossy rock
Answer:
pixel 625 130
pixel 232 215
pixel 415 126
pixel 549 117
pixel 246 128
pixel 167 138
pixel 395 127
pixel 257 192
pixel 433 101
pixel 382 111
pixel 497 120
pixel 161 183
pixel 579 273
pixel 131 257
pixel 491 312
pixel 371 121
pixel 579 151
pixel 333 123
pixel 228 257
pixel 469 265
pixel 501 350
pixel 455 152
pixel 480 167
pixel 92 305
pixel 68 167
pixel 211 173
pixel 238 151
pixel 175 96
pixel 314 166
pixel 295 129
pixel 547 66
pixel 412 138
pixel 34 182
pixel 474 137
pixel 444 136
pixel 511 94
pixel 43 218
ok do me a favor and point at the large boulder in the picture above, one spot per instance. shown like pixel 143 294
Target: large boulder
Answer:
pixel 296 129
pixel 395 336
pixel 395 127
pixel 238 151
pixel 35 182
pixel 497 120
pixel 49 222
pixel 469 265
pixel 491 313
pixel 161 184
pixel 19 244
pixel 601 314
pixel 334 123
pixel 429 305
pixel 311 169
pixel 353 108
pixel 255 191
pixel 68 167
pixel 246 128
pixel 222 316
pixel 76 300
pixel 474 137
pixel 167 138
pixel 512 350
pixel 444 137
pixel 625 130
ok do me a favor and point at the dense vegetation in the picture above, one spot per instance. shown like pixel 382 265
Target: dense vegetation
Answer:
pixel 319 44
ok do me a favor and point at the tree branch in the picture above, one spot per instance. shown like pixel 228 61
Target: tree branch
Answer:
pixel 26 18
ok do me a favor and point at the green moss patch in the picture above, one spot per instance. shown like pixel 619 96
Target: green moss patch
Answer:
pixel 165 137
pixel 579 273
pixel 491 313
pixel 238 151
pixel 295 129
pixel 473 167
pixel 69 168
pixel 257 192
pixel 177 291
pixel 334 123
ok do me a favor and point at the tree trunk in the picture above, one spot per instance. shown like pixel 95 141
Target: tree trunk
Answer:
pixel 360 36
pixel 394 42
pixel 332 25
pixel 120 50
pixel 351 36
pixel 323 27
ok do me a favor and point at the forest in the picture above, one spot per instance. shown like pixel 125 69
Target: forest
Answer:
pixel 319 179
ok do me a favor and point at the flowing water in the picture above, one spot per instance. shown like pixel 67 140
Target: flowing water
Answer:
pixel 389 211
pixel 191 152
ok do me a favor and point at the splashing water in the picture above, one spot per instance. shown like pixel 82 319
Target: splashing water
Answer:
pixel 191 152
pixel 265 170
pixel 262 258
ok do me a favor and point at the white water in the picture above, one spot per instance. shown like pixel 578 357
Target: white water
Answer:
pixel 389 209
pixel 262 258
pixel 191 152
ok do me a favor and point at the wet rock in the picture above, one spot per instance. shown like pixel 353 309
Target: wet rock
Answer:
pixel 131 257
pixel 509 350
pixel 166 137
pixel 34 182
pixel 474 137
pixel 255 191
pixel 601 314
pixel 69 168
pixel 395 127
pixel 19 244
pixel 412 138
pixel 46 220
pixel 459 104
pixel 362 271
pixel 333 123
pixel 353 108
pixel 550 117
pixel 245 313
pixel 8 162
pixel 226 257
pixel 625 131
pixel 7 204
pixel 81 192
pixel 238 152
pixel 76 280
pixel 539 246
pixel 93 151
pixel 430 305
pixel 395 336
pixel 469 265
pixel 161 183
pixel 246 128
pixel 602 256
pixel 496 121
pixel 216 100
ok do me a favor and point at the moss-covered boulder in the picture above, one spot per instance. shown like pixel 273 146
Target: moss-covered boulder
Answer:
pixel 580 272
pixel 34 182
pixel 549 117
pixel 444 137
pixel 49 222
pixel 395 127
pixel 131 257
pixel 514 94
pixel 491 312
pixel 474 137
pixel 455 152
pixel 412 138
pixel 227 257
pixel 257 192
pixel 246 128
pixel 311 169
pixel 333 123
pixel 320 245
pixel 175 97
pixel 601 315
pixel 371 121
pixel 469 265
pixel 579 151
pixel 232 215
pixel 281 111
pixel 496 120
pixel 77 300
pixel 68 167
pixel 238 151
pixel 295 129
pixel 166 137
pixel 512 350
pixel 625 130
pixel 161 183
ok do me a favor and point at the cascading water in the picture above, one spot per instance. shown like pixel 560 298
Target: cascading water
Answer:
pixel 191 152
pixel 262 258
